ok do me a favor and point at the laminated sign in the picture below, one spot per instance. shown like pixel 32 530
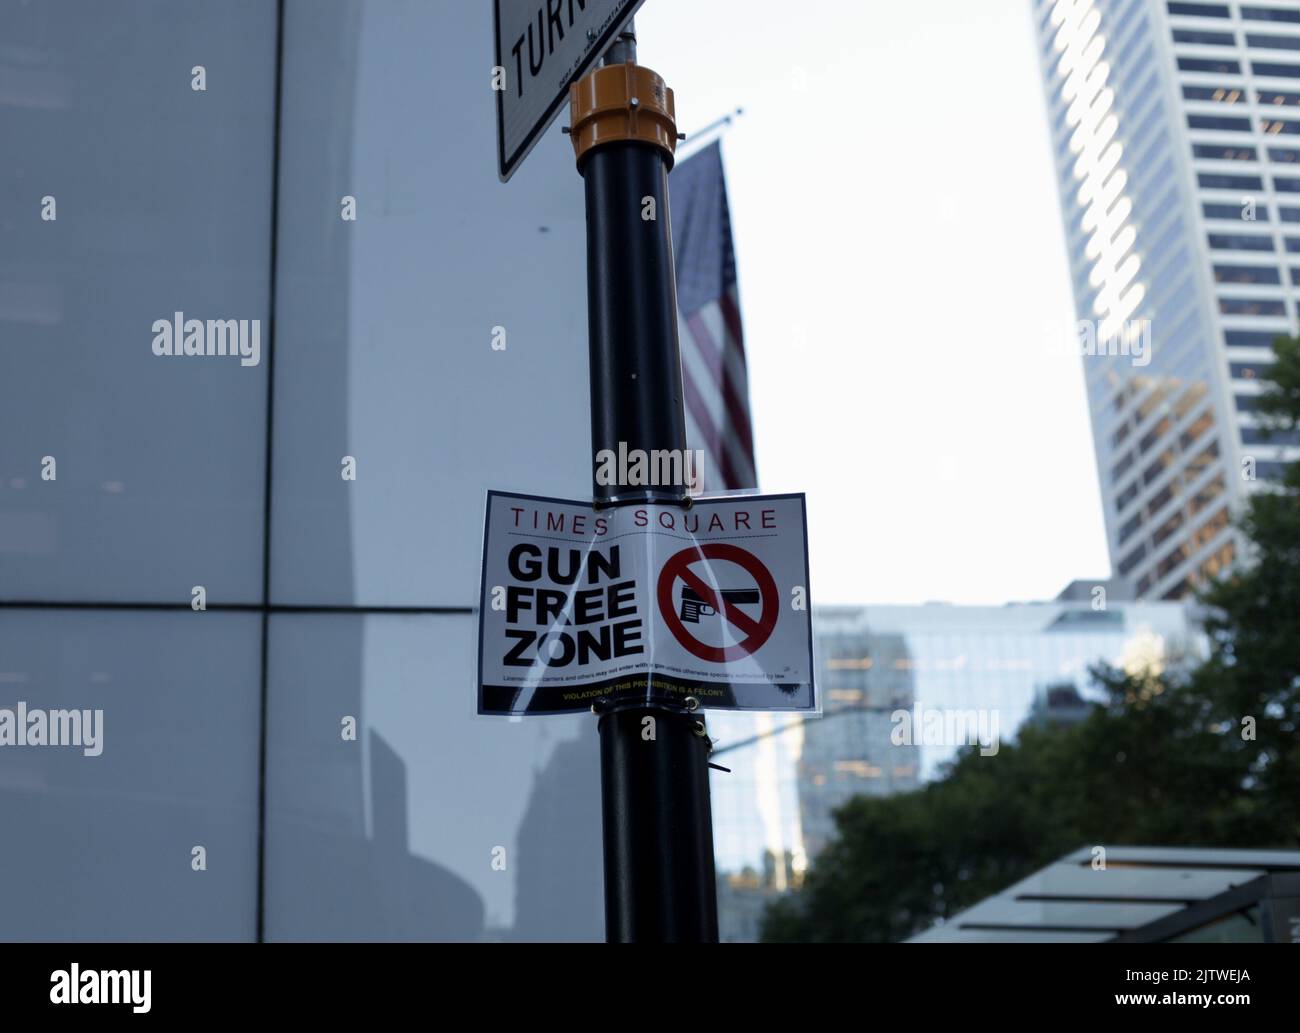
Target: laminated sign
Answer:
pixel 644 602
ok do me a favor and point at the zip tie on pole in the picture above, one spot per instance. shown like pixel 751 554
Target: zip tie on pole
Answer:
pixel 622 102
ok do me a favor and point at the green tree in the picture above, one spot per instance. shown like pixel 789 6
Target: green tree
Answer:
pixel 1168 759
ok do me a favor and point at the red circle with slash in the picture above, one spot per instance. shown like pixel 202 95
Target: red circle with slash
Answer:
pixel 756 631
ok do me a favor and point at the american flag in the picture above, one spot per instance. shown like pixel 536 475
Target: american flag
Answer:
pixel 714 377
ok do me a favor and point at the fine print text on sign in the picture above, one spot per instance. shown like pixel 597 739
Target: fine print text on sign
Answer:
pixel 644 602
pixel 541 47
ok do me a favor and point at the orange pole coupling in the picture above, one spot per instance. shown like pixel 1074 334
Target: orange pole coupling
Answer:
pixel 621 102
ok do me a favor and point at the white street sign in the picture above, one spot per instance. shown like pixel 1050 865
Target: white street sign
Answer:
pixel 541 47
pixel 644 602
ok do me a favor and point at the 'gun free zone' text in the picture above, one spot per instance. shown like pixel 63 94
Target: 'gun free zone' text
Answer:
pixel 609 603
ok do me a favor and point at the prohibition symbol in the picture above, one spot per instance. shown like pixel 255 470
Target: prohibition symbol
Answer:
pixel 756 632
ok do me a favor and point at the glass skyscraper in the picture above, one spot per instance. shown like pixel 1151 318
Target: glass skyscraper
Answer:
pixel 993 668
pixel 1175 129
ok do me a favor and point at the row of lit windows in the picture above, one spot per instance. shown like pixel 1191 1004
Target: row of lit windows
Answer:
pixel 1152 473
pixel 1185 441
pixel 1195 542
pixel 1226 66
pixel 1241 124
pixel 1231 152
pixel 1218 562
pixel 1193 431
pixel 1202 536
pixel 1237 95
pixel 1205 496
pixel 1134 422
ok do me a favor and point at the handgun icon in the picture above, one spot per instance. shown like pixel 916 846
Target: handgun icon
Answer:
pixel 694 607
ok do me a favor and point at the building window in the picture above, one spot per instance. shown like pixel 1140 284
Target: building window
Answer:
pixel 1252 307
pixel 1272 42
pixel 1205 37
pixel 1171 561
pixel 1121 468
pixel 1194 430
pixel 1285 155
pixel 1132 560
pixel 1224 152
pixel 1220 561
pixel 1264 436
pixel 1268 14
pixel 1200 462
pixel 1240 242
pixel 1247 370
pixel 1130 528
pixel 1166 529
pixel 1246 274
pixel 1273 127
pixel 1163 463
pixel 1211 491
pixel 1153 435
pixel 1211 210
pixel 1215 94
pixel 1278 98
pixel 1222 181
pixel 1159 499
pixel 1275 69
pixel 1252 338
pixel 1226 123
pixel 1220 65
pixel 1199 10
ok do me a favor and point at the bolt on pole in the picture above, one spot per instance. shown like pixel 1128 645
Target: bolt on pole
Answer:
pixel 660 884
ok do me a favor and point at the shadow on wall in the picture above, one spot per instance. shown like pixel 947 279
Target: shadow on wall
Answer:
pixel 375 889
pixel 560 846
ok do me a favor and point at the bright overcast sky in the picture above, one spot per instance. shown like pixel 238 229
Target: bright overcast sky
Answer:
pixel 902 276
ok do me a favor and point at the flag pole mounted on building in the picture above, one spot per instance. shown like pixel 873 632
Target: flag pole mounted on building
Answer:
pixel 659 873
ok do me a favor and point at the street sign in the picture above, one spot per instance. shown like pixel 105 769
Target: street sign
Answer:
pixel 541 47
pixel 644 602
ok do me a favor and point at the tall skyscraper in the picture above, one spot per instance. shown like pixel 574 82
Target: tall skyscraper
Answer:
pixel 1176 136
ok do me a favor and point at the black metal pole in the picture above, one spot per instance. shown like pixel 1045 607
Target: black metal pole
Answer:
pixel 658 836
